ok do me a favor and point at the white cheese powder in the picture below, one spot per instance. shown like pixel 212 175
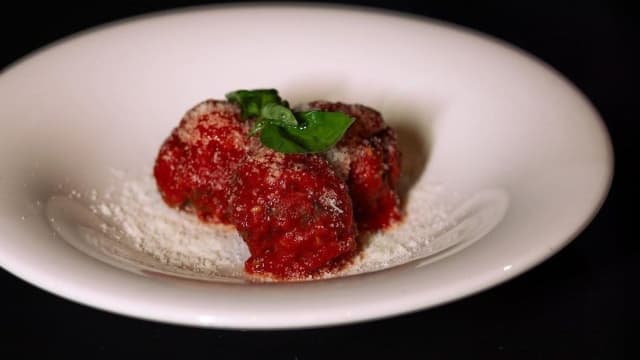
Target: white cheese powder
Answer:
pixel 176 242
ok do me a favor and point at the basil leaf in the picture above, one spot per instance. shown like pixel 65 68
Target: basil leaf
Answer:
pixel 275 137
pixel 317 131
pixel 273 114
pixel 279 115
pixel 251 102
pixel 283 130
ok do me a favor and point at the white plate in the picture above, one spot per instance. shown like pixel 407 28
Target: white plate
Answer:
pixel 519 146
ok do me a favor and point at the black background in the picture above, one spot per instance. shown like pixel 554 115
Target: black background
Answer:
pixel 571 306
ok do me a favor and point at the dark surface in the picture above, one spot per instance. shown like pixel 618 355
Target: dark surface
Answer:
pixel 571 306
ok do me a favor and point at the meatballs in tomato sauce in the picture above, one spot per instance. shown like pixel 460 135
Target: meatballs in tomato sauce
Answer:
pixel 195 163
pixel 294 213
pixel 367 157
pixel 299 213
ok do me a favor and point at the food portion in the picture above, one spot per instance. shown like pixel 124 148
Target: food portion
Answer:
pixel 195 164
pixel 368 159
pixel 299 186
pixel 293 212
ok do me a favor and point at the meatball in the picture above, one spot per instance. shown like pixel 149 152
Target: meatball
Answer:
pixel 195 164
pixel 293 212
pixel 367 157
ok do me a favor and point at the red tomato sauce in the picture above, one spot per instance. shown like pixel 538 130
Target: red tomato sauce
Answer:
pixel 293 212
pixel 299 214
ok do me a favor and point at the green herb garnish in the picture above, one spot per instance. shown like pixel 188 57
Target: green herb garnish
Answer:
pixel 287 131
pixel 252 101
pixel 276 138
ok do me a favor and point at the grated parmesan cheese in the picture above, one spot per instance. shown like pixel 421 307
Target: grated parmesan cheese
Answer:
pixel 174 242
